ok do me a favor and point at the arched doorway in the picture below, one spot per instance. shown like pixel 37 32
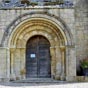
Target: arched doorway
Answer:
pixel 38 63
pixel 61 53
pixel 50 35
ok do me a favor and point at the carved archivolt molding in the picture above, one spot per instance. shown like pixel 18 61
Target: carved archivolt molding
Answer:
pixel 52 32
pixel 28 19
pixel 29 29
pixel 37 27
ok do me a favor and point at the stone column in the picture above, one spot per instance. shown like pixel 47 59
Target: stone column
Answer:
pixel 8 63
pixel 58 62
pixel 23 59
pixel 62 48
pixel 70 63
pixel 53 62
pixel 12 74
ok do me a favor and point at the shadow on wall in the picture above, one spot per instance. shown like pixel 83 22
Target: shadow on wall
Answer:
pixel 79 71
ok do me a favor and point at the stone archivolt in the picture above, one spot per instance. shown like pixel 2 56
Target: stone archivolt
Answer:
pixel 59 51
pixel 18 47
pixel 38 27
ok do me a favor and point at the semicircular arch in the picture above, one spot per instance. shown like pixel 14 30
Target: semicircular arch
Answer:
pixel 57 21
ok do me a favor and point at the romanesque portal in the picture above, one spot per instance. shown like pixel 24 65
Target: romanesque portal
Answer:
pixel 43 56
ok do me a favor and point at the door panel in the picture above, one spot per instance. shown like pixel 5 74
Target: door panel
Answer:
pixel 38 62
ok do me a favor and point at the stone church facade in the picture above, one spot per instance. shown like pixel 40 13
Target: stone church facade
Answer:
pixel 59 34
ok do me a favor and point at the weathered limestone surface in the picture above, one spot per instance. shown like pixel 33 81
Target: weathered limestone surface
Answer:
pixel 3 64
pixel 76 20
pixel 81 23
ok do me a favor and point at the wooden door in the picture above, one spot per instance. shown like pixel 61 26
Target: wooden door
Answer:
pixel 38 63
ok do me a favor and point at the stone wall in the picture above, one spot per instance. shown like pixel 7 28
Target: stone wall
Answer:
pixel 3 64
pixel 81 22
pixel 8 16
pixel 75 18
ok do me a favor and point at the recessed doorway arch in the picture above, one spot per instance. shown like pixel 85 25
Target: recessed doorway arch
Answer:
pixel 58 50
pixel 38 62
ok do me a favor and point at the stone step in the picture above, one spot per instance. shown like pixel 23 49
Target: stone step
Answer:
pixel 39 80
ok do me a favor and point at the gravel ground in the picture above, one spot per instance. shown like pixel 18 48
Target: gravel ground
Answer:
pixel 43 85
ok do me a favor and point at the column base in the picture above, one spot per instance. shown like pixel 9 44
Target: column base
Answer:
pixel 62 78
pixel 71 78
pixel 82 78
pixel 4 80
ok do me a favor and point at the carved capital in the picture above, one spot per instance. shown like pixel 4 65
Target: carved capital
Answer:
pixel 12 50
pixel 62 48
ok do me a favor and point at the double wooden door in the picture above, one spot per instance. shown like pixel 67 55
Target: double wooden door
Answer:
pixel 38 63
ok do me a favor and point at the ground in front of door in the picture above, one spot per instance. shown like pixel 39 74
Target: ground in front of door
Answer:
pixel 43 85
